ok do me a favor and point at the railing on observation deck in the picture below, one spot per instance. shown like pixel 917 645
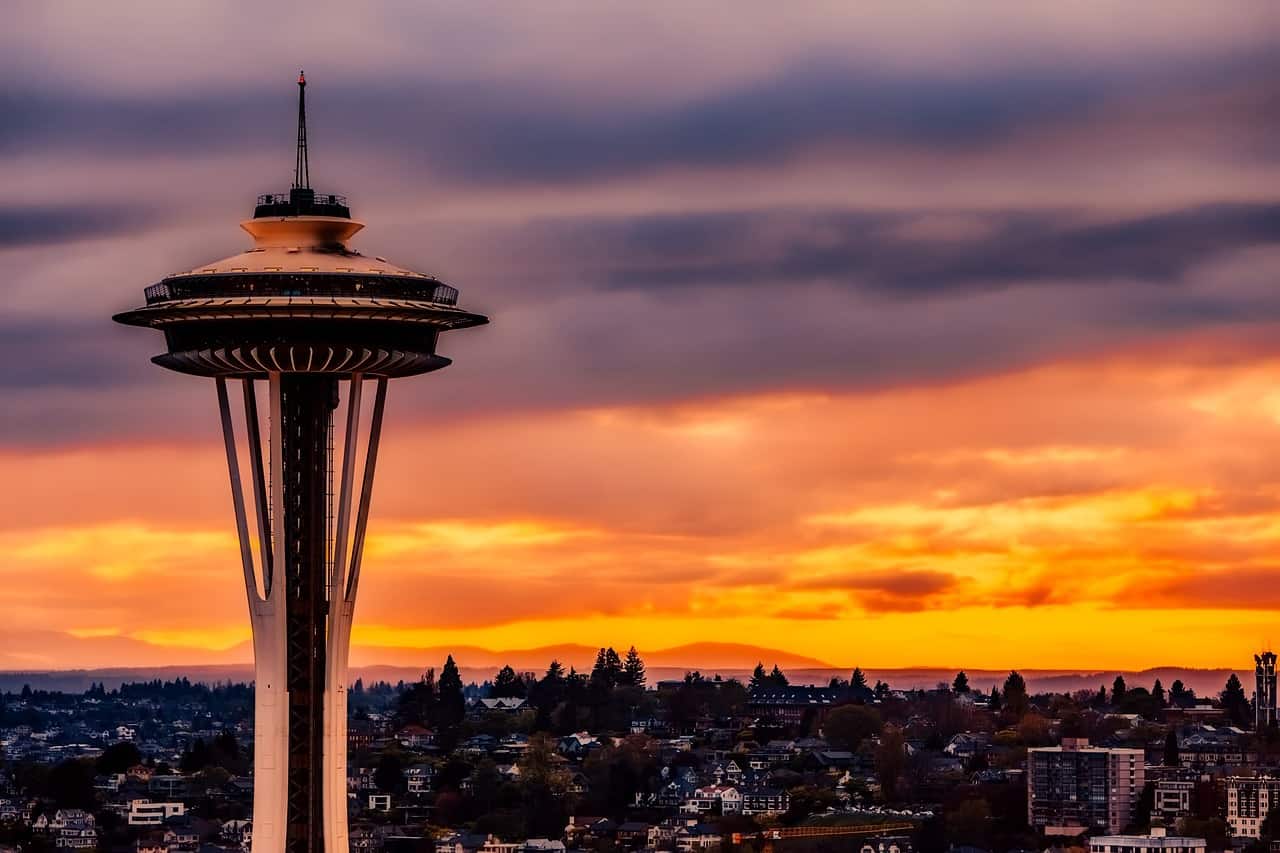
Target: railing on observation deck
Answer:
pixel 317 198
pixel 349 285
pixel 301 202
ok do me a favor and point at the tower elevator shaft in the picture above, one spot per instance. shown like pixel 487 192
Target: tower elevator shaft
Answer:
pixel 307 403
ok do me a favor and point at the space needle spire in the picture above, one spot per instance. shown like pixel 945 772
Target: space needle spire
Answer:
pixel 309 323
pixel 301 178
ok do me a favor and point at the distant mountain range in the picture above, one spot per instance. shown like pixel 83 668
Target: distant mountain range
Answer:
pixel 729 660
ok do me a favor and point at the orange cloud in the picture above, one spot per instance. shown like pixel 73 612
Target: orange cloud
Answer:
pixel 1131 494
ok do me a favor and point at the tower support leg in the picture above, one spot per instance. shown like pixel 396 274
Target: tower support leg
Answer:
pixel 301 609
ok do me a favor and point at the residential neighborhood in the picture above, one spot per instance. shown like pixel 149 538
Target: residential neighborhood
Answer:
pixel 604 760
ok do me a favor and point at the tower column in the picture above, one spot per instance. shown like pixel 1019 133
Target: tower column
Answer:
pixel 306 414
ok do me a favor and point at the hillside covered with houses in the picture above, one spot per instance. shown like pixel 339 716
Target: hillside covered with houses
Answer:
pixel 607 760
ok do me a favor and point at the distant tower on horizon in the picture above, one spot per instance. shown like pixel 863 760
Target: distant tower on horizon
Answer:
pixel 1264 692
pixel 302 314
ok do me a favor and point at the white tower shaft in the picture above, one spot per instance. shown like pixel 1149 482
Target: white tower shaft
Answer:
pixel 285 815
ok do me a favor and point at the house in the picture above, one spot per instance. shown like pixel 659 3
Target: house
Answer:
pixel 724 799
pixel 585 829
pixel 577 745
pixel 147 813
pixel 360 735
pixel 479 745
pixel 179 836
pixel 633 834
pixel 765 801
pixel 79 838
pixel 362 839
pixel 967 745
pixel 414 736
pixel 699 837
pixel 466 842
pixel 538 845
pixel 419 778
pixel 789 706
pixel 510 704
pixel 237 832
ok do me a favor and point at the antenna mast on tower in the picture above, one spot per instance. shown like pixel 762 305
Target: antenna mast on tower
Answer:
pixel 301 178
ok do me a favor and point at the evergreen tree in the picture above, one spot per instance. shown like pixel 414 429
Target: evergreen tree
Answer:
pixel 881 689
pixel 607 669
pixel 996 699
pixel 1015 694
pixel 1157 693
pixel 777 679
pixel 357 689
pixel 759 678
pixel 507 684
pixel 452 704
pixel 633 669
pixel 548 693
pixel 1118 688
pixel 1181 696
pixel 858 681
pixel 961 684
pixel 1234 701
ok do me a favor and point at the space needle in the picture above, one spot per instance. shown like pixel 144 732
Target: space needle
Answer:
pixel 307 318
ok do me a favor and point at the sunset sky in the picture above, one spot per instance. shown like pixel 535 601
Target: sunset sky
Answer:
pixel 944 338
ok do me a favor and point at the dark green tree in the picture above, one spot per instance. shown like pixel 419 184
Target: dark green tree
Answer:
pixel 452 705
pixel 776 678
pixel 891 761
pixel 633 669
pixel 1015 694
pixel 195 758
pixel 759 677
pixel 607 670
pixel 1157 693
pixel 961 682
pixel 1117 690
pixel 1180 696
pixel 118 758
pixel 70 785
pixel 847 726
pixel 858 681
pixel 1234 701
pixel 506 684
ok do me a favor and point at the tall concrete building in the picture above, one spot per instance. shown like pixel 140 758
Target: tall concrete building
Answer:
pixel 313 322
pixel 1249 800
pixel 1076 788
pixel 1264 691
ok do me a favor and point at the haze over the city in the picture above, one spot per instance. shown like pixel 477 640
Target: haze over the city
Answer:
pixel 833 334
